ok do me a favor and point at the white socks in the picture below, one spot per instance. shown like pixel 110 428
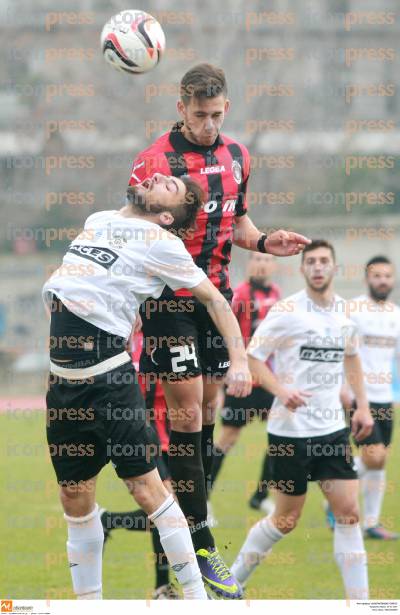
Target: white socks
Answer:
pixel 84 549
pixel 348 549
pixel 176 540
pixel 360 466
pixel 351 558
pixel 373 487
pixel 262 536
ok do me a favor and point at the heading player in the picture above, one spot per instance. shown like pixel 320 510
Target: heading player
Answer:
pixel 121 258
pixel 192 361
pixel 312 340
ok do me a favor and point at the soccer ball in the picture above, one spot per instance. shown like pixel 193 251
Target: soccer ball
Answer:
pixel 133 41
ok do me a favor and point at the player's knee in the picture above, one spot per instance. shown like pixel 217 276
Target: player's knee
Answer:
pixel 74 503
pixel 144 499
pixel 374 457
pixel 288 521
pixel 348 513
pixel 186 416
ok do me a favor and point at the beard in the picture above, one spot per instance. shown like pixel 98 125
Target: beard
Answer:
pixel 257 280
pixel 379 294
pixel 139 202
pixel 146 208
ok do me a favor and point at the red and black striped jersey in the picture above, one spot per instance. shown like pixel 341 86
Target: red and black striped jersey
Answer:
pixel 223 171
pixel 251 303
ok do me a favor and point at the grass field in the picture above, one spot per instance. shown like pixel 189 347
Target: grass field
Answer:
pixel 33 531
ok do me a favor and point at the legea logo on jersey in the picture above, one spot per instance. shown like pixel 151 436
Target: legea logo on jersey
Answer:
pixel 322 355
pixel 102 256
pixel 212 170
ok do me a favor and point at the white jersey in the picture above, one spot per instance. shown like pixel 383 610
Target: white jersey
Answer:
pixel 379 328
pixel 114 265
pixel 309 343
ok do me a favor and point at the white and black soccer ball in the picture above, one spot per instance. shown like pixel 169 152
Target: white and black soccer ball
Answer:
pixel 133 41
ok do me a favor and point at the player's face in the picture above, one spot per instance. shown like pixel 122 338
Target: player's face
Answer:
pixel 203 118
pixel 162 191
pixel 318 268
pixel 380 280
pixel 261 267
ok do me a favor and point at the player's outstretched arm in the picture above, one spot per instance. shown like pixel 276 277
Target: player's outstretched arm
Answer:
pixel 265 378
pixel 280 243
pixel 362 421
pixel 238 378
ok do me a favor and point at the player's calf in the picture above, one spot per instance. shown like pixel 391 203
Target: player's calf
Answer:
pixel 84 549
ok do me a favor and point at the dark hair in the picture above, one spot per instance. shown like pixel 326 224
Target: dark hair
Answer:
pixel 318 243
pixel 203 81
pixel 376 260
pixel 185 214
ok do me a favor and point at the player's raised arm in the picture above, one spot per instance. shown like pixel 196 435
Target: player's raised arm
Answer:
pixel 238 377
pixel 279 243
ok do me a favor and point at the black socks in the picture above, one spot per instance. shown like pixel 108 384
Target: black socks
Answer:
pixel 187 472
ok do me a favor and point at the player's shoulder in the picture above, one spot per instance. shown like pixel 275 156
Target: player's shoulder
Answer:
pixel 162 144
pixel 288 306
pixel 100 216
pixel 275 290
pixel 229 141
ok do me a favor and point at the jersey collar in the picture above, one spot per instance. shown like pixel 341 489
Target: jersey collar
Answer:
pixel 182 145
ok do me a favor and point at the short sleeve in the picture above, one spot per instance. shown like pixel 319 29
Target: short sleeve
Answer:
pixel 147 163
pixel 269 335
pixel 142 168
pixel 397 349
pixel 169 261
pixel 352 340
pixel 241 205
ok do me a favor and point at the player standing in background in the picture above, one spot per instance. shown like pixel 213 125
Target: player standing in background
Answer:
pixel 312 341
pixel 378 321
pixel 95 411
pixel 251 302
pixel 180 340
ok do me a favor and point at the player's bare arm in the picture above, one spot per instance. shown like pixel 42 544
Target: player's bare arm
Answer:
pixel 265 378
pixel 362 421
pixel 279 243
pixel 238 377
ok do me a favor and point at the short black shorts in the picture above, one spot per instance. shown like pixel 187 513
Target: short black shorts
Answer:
pixel 163 466
pixel 238 411
pixel 92 422
pixel 295 461
pixel 181 340
pixel 383 425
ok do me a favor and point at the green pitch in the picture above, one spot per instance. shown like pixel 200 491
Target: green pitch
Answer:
pixel 33 531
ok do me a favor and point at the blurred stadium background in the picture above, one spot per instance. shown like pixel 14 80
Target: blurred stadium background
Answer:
pixel 315 97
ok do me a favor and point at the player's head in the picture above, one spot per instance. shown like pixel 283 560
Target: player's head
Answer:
pixel 318 265
pixel 379 275
pixel 174 201
pixel 203 103
pixel 260 267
